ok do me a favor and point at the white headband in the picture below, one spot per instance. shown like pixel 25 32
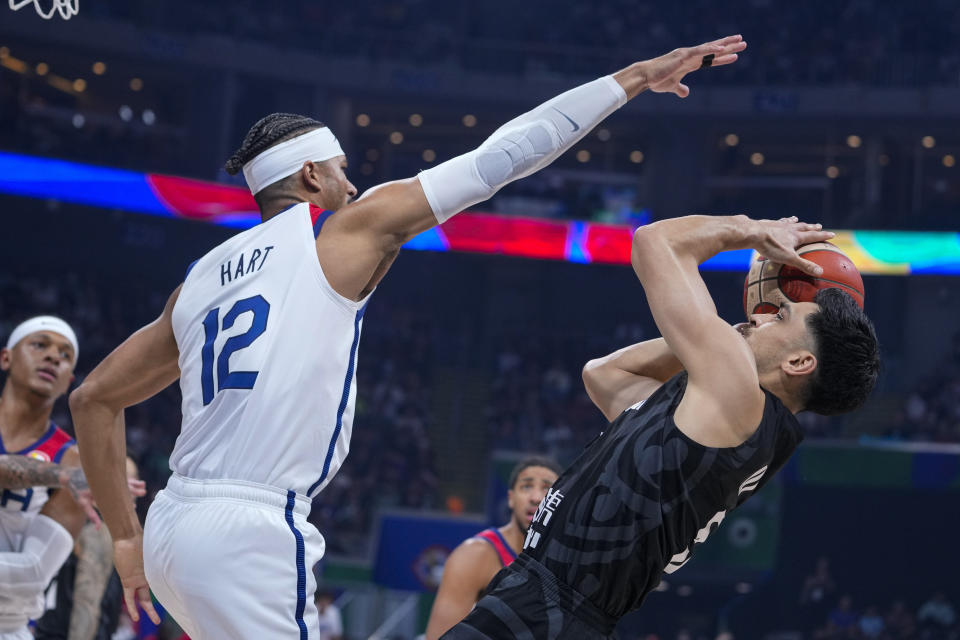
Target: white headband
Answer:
pixel 288 157
pixel 44 323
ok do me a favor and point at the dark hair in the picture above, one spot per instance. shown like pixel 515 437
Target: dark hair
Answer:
pixel 324 593
pixel 533 461
pixel 848 355
pixel 273 129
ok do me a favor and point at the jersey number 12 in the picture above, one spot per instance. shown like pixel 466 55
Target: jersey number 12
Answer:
pixel 227 379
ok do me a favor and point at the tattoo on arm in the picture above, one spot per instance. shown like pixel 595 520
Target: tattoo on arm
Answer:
pixel 21 472
pixel 76 482
pixel 94 566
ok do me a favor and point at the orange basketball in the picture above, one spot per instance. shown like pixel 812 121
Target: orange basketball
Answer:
pixel 770 284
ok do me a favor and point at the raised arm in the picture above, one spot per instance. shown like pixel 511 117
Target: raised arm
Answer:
pixel 629 375
pixel 145 364
pixel 357 241
pixel 723 402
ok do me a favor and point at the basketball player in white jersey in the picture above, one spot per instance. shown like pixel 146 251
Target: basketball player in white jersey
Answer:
pixel 263 335
pixel 37 526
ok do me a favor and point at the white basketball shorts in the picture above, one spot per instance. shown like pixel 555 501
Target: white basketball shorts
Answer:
pixel 233 560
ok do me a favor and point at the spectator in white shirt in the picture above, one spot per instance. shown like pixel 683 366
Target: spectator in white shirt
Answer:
pixel 331 627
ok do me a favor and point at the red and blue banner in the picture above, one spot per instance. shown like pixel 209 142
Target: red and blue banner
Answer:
pixel 874 252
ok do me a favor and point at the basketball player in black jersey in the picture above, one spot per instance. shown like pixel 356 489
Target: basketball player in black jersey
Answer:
pixel 87 590
pixel 701 419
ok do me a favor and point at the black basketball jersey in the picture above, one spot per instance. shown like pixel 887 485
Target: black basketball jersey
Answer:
pixel 55 623
pixel 642 494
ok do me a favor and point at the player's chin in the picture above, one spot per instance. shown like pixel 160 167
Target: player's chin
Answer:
pixel 43 387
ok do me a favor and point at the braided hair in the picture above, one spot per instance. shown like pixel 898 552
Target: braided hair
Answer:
pixel 268 131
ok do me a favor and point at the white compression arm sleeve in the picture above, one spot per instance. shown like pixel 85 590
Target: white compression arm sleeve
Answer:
pixel 522 146
pixel 46 545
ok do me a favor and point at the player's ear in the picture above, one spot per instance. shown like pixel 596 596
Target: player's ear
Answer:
pixel 4 359
pixel 799 363
pixel 510 499
pixel 312 176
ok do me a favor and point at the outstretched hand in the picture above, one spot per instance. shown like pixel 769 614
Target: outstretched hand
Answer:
pixel 779 240
pixel 665 74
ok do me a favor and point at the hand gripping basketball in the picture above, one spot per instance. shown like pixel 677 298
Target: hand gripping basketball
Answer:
pixel 778 241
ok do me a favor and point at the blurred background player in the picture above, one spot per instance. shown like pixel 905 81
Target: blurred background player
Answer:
pixel 87 593
pixel 476 560
pixel 268 282
pixel 331 624
pixel 700 420
pixel 37 526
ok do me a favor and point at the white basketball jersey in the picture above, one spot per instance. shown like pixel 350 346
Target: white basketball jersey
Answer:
pixel 268 354
pixel 18 507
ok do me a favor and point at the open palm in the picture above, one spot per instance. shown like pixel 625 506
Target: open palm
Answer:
pixel 665 74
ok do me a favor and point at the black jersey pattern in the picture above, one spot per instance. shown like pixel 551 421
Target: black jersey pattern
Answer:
pixel 638 499
pixel 55 623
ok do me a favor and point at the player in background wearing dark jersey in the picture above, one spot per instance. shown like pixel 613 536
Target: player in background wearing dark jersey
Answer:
pixel 476 560
pixel 88 593
pixel 702 418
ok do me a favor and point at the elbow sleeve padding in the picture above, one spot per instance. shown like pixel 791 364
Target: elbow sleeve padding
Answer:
pixel 516 153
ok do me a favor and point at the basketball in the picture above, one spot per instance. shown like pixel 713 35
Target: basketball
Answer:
pixel 770 284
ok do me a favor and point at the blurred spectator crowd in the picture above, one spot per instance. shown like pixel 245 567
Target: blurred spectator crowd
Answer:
pixel 391 461
pixel 828 613
pixel 863 41
pixel 932 411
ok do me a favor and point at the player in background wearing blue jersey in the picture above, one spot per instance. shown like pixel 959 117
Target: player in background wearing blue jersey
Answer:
pixel 267 430
pixel 43 493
